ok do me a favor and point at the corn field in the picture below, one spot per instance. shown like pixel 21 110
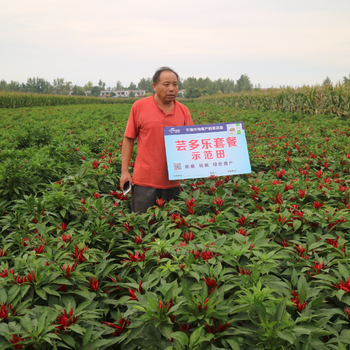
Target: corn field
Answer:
pixel 18 100
pixel 329 99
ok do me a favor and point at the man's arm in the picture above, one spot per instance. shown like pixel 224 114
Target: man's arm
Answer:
pixel 127 148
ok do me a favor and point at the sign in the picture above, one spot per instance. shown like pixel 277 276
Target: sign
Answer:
pixel 196 151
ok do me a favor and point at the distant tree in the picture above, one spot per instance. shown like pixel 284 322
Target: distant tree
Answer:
pixel 132 86
pixel 193 92
pixel 95 91
pixel 67 88
pixel 119 85
pixel 58 85
pixel 37 85
pixel 243 83
pixel 3 85
pixel 327 81
pixel 207 86
pixel 112 94
pixel 181 84
pixel 101 84
pixel 88 86
pixel 16 86
pixel 145 84
pixel 78 91
pixel 346 80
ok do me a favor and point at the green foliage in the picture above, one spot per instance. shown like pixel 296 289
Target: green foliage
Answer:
pixel 328 99
pixel 78 91
pixel 19 100
pixel 95 91
pixel 327 81
pixel 266 267
pixel 243 83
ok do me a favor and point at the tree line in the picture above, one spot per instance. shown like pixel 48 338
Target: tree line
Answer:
pixel 194 87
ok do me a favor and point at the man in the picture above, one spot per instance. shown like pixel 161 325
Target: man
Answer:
pixel 146 121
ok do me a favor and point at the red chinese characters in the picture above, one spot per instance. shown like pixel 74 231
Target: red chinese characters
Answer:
pixel 180 145
pixel 219 142
pixel 231 141
pixel 193 144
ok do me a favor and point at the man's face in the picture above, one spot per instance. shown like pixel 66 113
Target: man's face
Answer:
pixel 167 87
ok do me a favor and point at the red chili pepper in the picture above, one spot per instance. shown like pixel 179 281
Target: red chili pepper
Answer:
pixel 4 312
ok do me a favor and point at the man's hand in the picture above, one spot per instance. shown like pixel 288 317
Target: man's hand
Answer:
pixel 127 148
pixel 125 177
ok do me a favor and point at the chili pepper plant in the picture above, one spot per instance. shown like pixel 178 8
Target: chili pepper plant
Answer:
pixel 258 261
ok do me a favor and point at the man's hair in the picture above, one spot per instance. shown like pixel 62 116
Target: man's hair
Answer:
pixel 156 75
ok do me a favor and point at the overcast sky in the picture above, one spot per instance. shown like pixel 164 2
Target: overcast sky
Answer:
pixel 275 42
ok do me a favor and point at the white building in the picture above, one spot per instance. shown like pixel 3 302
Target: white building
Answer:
pixel 122 93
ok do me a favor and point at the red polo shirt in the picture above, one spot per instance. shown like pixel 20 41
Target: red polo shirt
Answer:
pixel 146 122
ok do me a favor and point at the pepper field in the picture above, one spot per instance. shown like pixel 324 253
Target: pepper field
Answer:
pixel 257 261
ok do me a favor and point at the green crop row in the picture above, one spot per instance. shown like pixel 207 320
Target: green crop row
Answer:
pixel 329 100
pixel 18 100
pixel 254 261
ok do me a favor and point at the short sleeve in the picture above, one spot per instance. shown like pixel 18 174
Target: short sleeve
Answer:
pixel 132 130
pixel 188 118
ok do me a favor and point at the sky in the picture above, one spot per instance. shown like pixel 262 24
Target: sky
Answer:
pixel 276 43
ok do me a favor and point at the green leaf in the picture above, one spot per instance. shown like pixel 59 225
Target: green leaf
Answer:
pixel 186 291
pixel 152 302
pixel 77 329
pixel 41 294
pixel 286 335
pixel 82 306
pixel 4 330
pixel 26 323
pixel 234 345
pixel 195 336
pixel 62 281
pixel 51 291
pixel 3 295
pixel 87 335
pixel 53 336
pixel 341 346
pixel 99 203
pixel 294 277
pixel 273 228
pixel 195 275
pixel 296 224
pixel 181 337
pixel 189 260
pixel 166 331
pixel 68 339
pixel 139 308
pixel 24 290
pixel 13 292
pixel 302 289
pixel 260 308
pixel 204 291
pixel 343 271
pixel 63 212
pixel 280 310
pixel 41 322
